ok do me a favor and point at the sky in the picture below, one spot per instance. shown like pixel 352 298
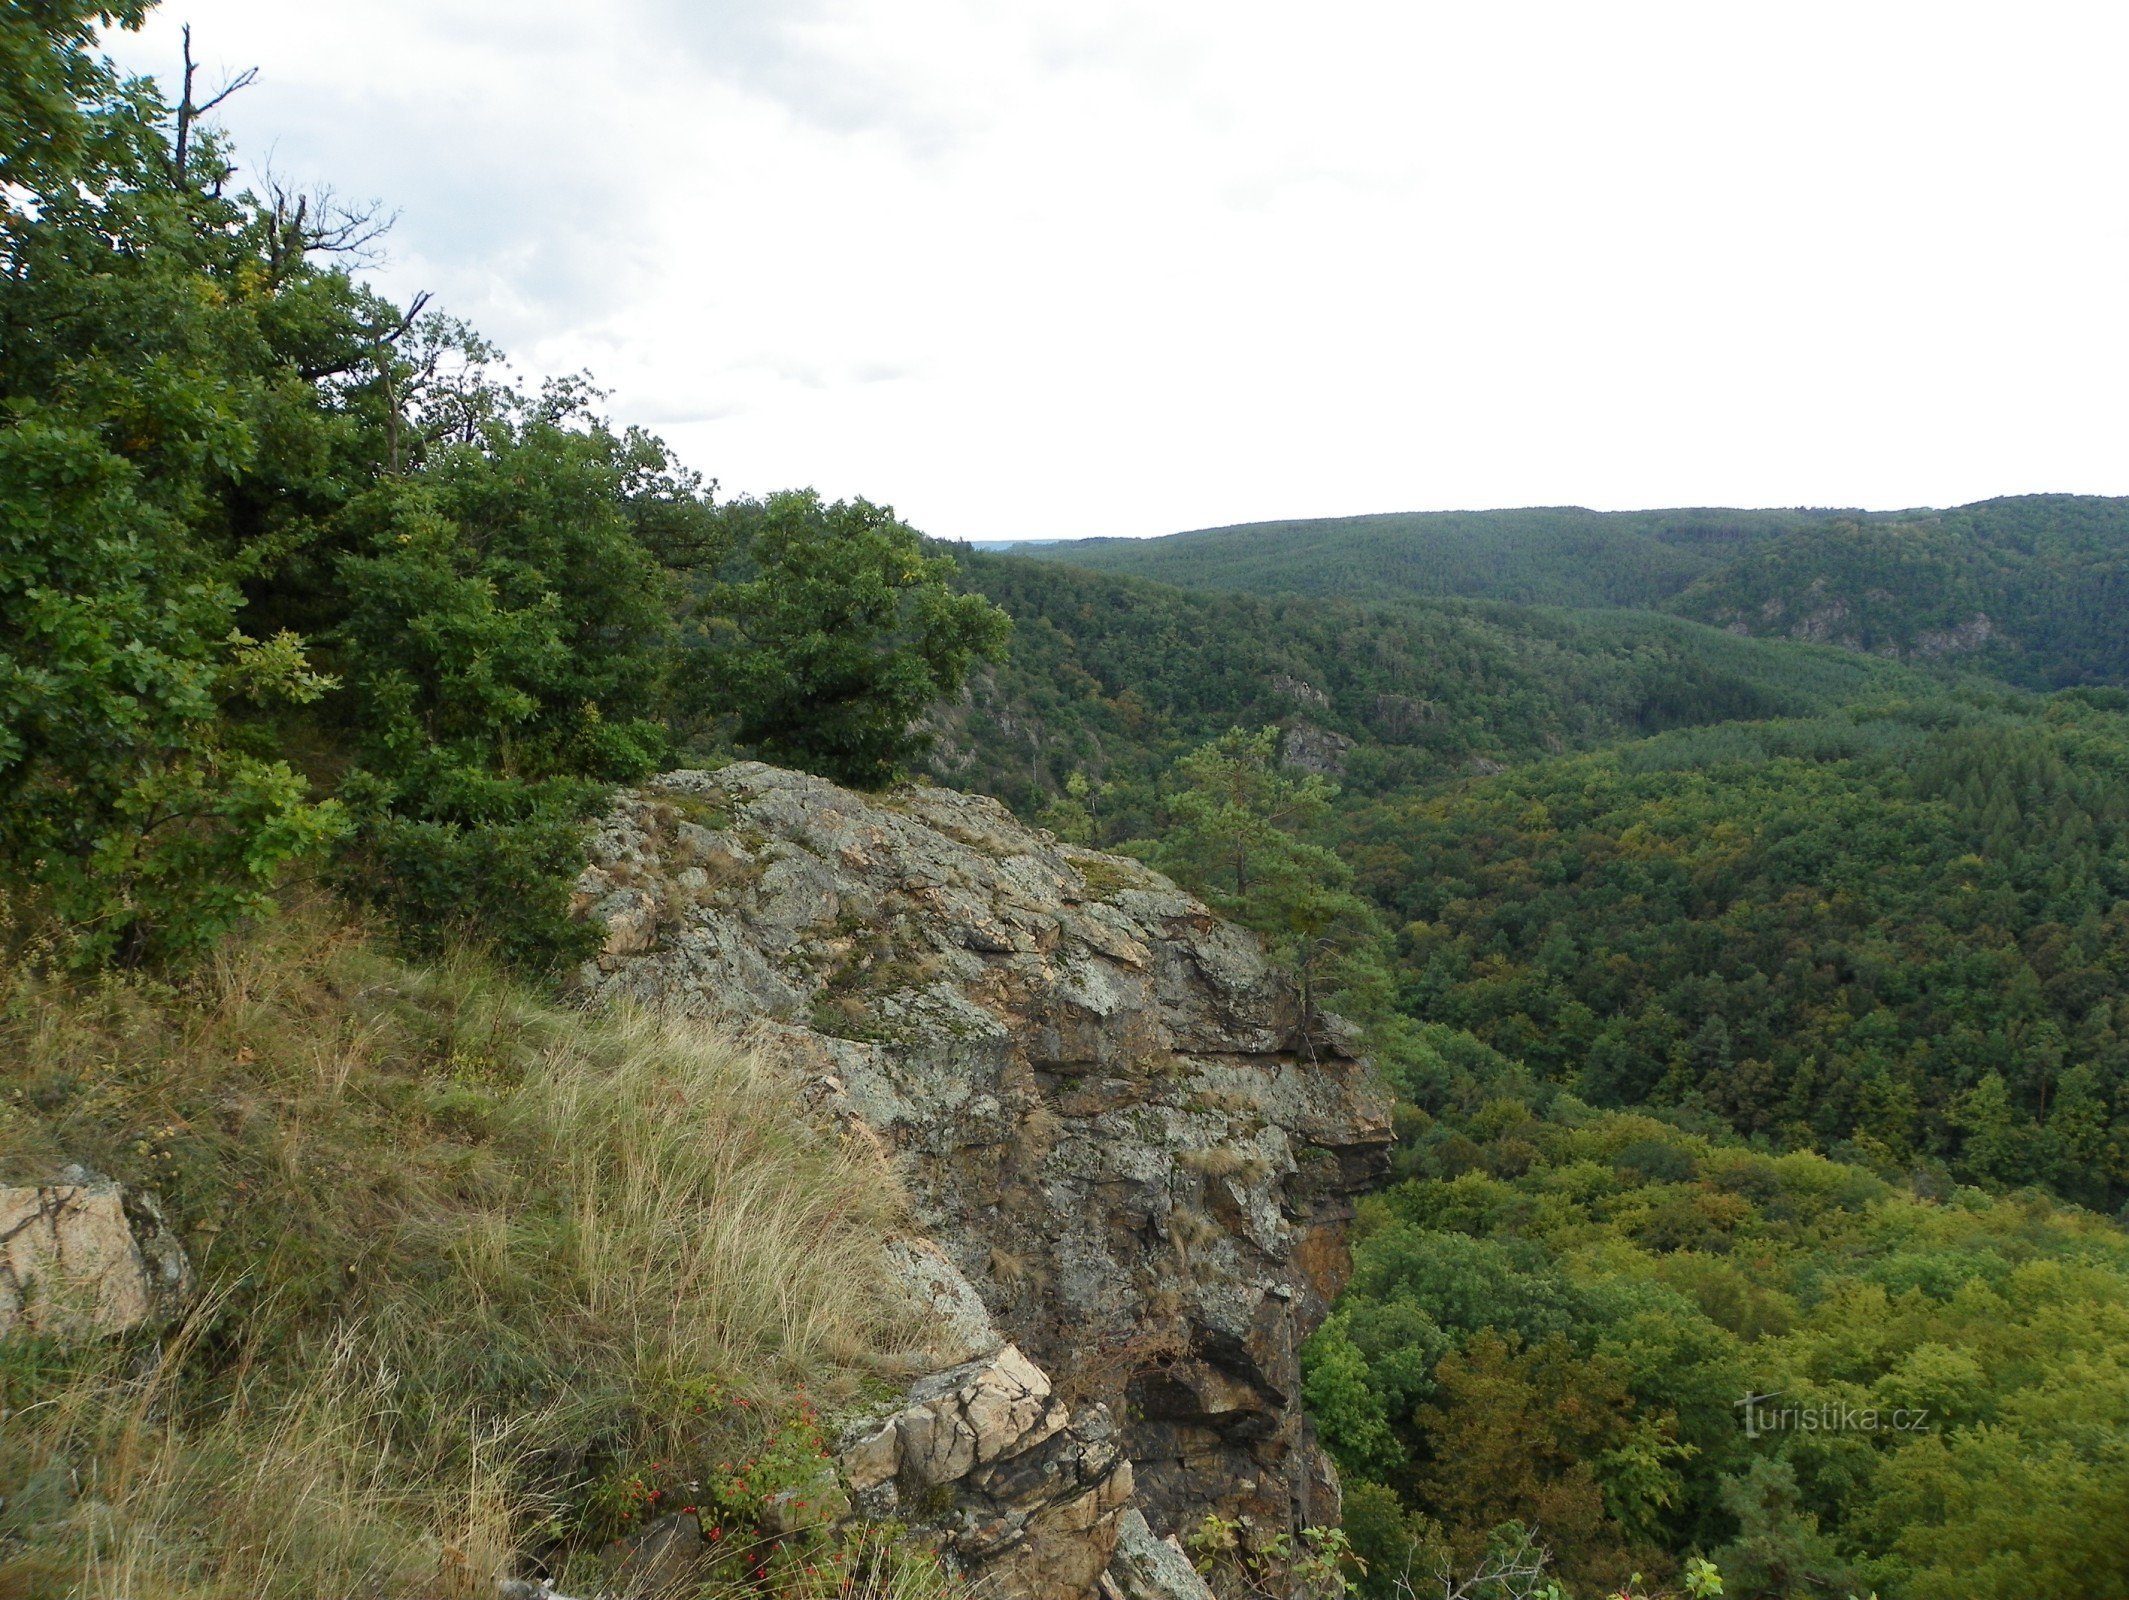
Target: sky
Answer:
pixel 1026 269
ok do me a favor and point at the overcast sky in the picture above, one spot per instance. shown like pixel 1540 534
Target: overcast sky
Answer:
pixel 1035 269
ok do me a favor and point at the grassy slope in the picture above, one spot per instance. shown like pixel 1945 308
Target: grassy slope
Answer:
pixel 479 1274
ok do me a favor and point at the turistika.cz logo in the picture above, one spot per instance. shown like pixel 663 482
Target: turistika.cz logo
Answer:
pixel 1827 1417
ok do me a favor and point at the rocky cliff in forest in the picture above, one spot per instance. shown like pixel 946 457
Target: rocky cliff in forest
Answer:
pixel 1130 1154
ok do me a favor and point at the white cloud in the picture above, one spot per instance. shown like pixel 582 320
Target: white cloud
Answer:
pixel 1026 267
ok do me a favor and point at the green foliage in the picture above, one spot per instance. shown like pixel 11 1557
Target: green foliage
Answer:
pixel 2031 588
pixel 1566 1324
pixel 1116 678
pixel 1232 833
pixel 120 798
pixel 506 639
pixel 838 634
pixel 212 435
pixel 1315 1563
pixel 130 392
pixel 1543 555
pixel 1902 928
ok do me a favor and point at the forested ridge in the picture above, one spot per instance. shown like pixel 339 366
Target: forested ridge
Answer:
pixel 1738 903
pixel 1115 677
pixel 2031 588
pixel 1543 555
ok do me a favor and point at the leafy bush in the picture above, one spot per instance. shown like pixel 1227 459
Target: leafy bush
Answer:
pixel 835 633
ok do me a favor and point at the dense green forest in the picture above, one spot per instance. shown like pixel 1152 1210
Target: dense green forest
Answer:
pixel 1755 1015
pixel 2033 589
pixel 1113 678
pixel 2030 588
pixel 1643 1341
pixel 1761 1136
pixel 1900 933
pixel 1548 555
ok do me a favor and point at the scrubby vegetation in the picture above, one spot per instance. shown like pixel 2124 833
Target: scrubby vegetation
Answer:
pixel 483 1282
pixel 306 608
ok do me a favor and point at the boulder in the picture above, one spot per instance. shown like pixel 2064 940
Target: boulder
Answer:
pixel 84 1258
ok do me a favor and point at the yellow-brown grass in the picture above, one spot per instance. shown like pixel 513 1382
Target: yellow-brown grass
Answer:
pixel 466 1255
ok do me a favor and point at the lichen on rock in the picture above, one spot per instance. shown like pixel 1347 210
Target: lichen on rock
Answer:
pixel 1134 1162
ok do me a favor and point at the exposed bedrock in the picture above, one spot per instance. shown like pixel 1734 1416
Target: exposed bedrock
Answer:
pixel 1105 1106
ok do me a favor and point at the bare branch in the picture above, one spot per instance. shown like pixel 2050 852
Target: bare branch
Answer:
pixel 189 111
pixel 319 222
pixel 1508 1571
pixel 407 321
pixel 242 80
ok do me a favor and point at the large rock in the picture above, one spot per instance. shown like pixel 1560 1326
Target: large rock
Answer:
pixel 1146 1568
pixel 1023 1490
pixel 1113 1116
pixel 85 1257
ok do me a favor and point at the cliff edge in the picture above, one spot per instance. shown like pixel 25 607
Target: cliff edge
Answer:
pixel 1134 1165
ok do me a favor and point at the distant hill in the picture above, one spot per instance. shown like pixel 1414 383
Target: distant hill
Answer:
pixel 1547 555
pixel 2034 589
pixel 1114 677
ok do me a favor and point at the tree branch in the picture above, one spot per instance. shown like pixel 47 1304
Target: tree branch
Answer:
pixel 379 343
pixel 190 111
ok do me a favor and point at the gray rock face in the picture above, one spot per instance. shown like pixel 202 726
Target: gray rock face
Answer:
pixel 1308 748
pixel 1115 1128
pixel 1024 1490
pixel 1146 1568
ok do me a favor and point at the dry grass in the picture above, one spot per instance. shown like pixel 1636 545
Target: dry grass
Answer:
pixel 470 1256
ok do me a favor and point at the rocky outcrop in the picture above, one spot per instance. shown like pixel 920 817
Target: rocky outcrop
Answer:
pixel 85 1257
pixel 1308 748
pixel 1133 1154
pixel 1963 638
pixel 1027 1490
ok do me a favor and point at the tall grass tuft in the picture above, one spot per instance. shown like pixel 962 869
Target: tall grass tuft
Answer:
pixel 467 1256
